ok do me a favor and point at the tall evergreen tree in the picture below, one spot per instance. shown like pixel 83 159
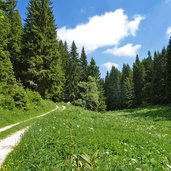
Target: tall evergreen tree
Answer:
pixel 168 72
pixel 148 65
pixel 15 37
pixel 102 99
pixel 84 66
pixel 113 88
pixel 127 87
pixel 43 70
pixel 106 85
pixel 65 56
pixel 6 70
pixel 94 70
pixel 159 78
pixel 138 79
pixel 74 74
pixel 89 94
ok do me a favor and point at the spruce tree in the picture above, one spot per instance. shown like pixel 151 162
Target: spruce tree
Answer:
pixel 168 72
pixel 148 65
pixel 159 78
pixel 102 99
pixel 88 94
pixel 106 85
pixel 15 40
pixel 6 70
pixel 138 79
pixel 84 66
pixel 73 77
pixel 65 56
pixel 43 71
pixel 93 70
pixel 127 87
pixel 113 88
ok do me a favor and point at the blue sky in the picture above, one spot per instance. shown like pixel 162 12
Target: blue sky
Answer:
pixel 112 31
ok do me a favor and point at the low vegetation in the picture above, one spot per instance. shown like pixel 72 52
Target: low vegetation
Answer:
pixel 8 117
pixel 76 139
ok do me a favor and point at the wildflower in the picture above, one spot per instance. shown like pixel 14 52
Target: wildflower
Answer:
pixel 134 160
pixel 169 166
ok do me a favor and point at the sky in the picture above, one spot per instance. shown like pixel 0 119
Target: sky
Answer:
pixel 112 31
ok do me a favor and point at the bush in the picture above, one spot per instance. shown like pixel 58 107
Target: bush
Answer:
pixel 15 96
pixel 7 102
pixel 80 102
pixel 20 97
pixel 34 97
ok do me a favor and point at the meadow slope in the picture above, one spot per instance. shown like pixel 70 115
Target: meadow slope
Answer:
pixel 76 139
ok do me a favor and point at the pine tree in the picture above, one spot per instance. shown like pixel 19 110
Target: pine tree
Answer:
pixel 127 87
pixel 168 72
pixel 148 65
pixel 159 78
pixel 65 56
pixel 106 85
pixel 102 99
pixel 113 88
pixel 6 70
pixel 89 94
pixel 9 6
pixel 74 74
pixel 43 71
pixel 84 66
pixel 15 37
pixel 94 70
pixel 138 79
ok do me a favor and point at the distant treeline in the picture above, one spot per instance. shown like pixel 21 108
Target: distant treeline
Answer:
pixel 34 60
pixel 148 82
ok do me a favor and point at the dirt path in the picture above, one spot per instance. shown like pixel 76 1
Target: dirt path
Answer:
pixel 10 126
pixel 8 144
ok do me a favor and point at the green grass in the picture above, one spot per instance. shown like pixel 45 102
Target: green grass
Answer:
pixel 76 139
pixel 8 117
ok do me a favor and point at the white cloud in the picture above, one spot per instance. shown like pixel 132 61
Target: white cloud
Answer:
pixel 168 32
pixel 129 50
pixel 109 65
pixel 102 30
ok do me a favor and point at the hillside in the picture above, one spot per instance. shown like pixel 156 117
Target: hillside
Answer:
pixel 77 139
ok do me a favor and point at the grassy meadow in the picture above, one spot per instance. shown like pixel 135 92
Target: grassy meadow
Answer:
pixel 8 117
pixel 76 139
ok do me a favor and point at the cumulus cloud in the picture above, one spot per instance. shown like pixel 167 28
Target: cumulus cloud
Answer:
pixel 109 65
pixel 168 32
pixel 129 50
pixel 102 30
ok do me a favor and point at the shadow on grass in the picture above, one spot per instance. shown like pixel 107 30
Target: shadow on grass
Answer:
pixel 156 113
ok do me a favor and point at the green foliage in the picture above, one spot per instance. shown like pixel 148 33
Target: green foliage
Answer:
pixel 43 71
pixel 168 72
pixel 138 80
pixel 94 70
pixel 15 115
pixel 84 66
pixel 159 78
pixel 127 87
pixel 75 139
pixel 113 89
pixel 15 42
pixel 148 66
pixel 73 76
pixel 89 95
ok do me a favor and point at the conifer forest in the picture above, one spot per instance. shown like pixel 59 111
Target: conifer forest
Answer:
pixel 39 71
